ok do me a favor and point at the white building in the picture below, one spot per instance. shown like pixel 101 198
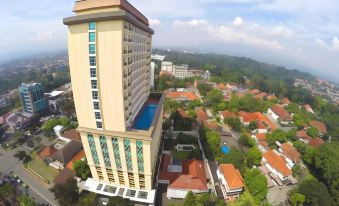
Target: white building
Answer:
pixel 167 67
pixel 180 71
pixel 3 102
pixel 158 57
pixel 152 74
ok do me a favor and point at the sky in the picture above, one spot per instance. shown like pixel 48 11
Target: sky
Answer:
pixel 298 34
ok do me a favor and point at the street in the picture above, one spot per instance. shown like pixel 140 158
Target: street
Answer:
pixel 38 191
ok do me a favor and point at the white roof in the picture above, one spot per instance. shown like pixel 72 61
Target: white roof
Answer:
pixel 58 128
pixel 56 93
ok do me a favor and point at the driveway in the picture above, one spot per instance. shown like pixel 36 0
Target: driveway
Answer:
pixel 37 190
pixel 276 196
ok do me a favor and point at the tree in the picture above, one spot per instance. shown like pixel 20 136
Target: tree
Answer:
pixel 64 121
pixel 326 162
pixel 6 190
pixel 313 132
pixel 277 135
pixel 256 184
pixel 26 201
pixel 166 125
pixel 67 194
pixel 253 125
pixel 48 127
pixel 235 157
pixel 119 201
pixel 315 193
pixel 296 170
pixel 235 123
pixel 297 199
pixel 244 140
pixel 214 97
pixel 21 155
pixel 82 169
pixel 253 157
pixel 189 199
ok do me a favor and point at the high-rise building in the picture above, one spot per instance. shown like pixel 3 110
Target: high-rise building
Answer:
pixel 120 121
pixel 180 71
pixel 152 74
pixel 32 98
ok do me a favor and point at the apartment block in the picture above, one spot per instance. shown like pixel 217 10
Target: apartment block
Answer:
pixel 32 98
pixel 120 121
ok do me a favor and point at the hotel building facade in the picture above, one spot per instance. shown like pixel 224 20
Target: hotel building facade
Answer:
pixel 120 121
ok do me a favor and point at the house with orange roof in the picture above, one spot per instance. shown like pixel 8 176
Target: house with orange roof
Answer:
pixel 285 102
pixel 232 183
pixel 277 166
pixel 259 137
pixel 308 108
pixel 313 142
pixel 291 154
pixel 79 156
pixel 271 98
pixel 261 95
pixel 255 91
pixel 182 176
pixel 280 114
pixel 263 146
pixel 226 114
pixel 320 126
pixel 182 96
pixel 264 124
pixel 221 86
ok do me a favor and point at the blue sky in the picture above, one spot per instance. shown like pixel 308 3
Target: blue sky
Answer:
pixel 299 34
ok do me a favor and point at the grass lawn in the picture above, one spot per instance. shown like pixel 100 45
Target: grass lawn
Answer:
pixel 180 155
pixel 45 171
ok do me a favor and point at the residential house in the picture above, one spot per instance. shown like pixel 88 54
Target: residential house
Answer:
pixel 279 114
pixel 285 102
pixel 182 96
pixel 277 166
pixel 255 91
pixel 291 154
pixel 232 183
pixel 261 96
pixel 271 98
pixel 308 108
pixel 19 121
pixel 320 126
pixel 227 114
pixel 313 142
pixel 264 124
pixel 182 177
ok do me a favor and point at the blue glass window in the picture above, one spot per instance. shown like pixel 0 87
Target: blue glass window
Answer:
pixel 104 149
pixel 92 61
pixel 128 154
pixel 94 84
pixel 92 25
pixel 93 149
pixel 91 36
pixel 93 72
pixel 92 49
pixel 140 156
pixel 116 151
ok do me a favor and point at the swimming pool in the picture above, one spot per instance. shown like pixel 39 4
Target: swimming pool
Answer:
pixel 144 120
pixel 225 149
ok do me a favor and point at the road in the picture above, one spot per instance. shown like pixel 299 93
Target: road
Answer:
pixel 38 191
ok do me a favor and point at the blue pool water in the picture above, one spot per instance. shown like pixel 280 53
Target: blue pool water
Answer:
pixel 145 118
pixel 225 149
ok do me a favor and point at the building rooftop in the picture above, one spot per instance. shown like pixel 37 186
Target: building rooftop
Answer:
pixel 277 162
pixel 190 96
pixel 280 111
pixel 232 176
pixel 320 126
pixel 228 114
pixel 290 152
pixel 261 137
pixel 86 5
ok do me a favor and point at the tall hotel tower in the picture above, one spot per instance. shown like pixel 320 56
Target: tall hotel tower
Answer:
pixel 120 121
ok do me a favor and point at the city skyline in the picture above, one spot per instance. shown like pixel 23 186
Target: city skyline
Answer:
pixel 281 32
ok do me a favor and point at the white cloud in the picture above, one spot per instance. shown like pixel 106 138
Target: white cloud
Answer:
pixel 281 31
pixel 238 21
pixel 194 22
pixel 154 22
pixel 335 43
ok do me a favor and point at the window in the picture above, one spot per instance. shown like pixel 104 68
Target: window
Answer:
pixel 92 147
pixel 96 105
pixel 92 49
pixel 140 156
pixel 104 149
pixel 99 125
pixel 116 152
pixel 91 36
pixel 97 115
pixel 95 95
pixel 128 154
pixel 94 84
pixel 91 25
pixel 93 72
pixel 92 61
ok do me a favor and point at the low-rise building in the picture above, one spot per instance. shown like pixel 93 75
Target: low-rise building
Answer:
pixel 167 67
pixel 280 114
pixel 264 124
pixel 291 154
pixel 277 166
pixel 308 108
pixel 158 57
pixel 313 142
pixel 3 102
pixel 320 126
pixel 56 100
pixel 182 96
pixel 19 121
pixel 227 114
pixel 285 102
pixel 232 183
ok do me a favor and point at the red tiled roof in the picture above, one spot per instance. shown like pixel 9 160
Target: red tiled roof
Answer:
pixel 285 101
pixel 261 95
pixel 47 151
pixel 277 162
pixel 255 91
pixel 308 108
pixel 189 95
pixel 201 114
pixel 271 97
pixel 312 142
pixel 222 86
pixel 77 157
pixel 257 116
pixel 193 177
pixel 248 117
pixel 281 112
pixel 72 135
pixel 211 125
pixel 4 117
pixel 261 137
pixel 320 126
pixel 290 152
pixel 228 114
pixel 232 176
